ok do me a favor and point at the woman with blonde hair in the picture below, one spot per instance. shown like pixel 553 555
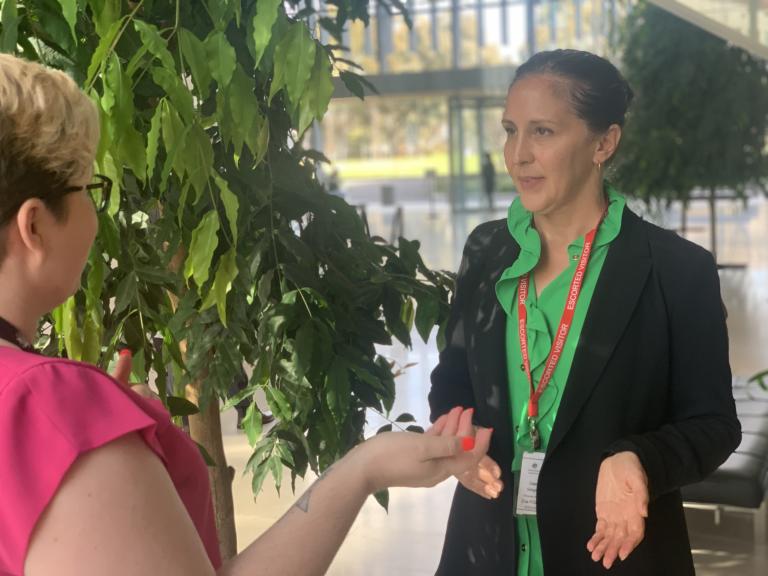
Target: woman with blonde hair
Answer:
pixel 96 479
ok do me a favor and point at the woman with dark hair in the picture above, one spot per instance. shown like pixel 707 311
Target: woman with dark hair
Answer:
pixel 593 342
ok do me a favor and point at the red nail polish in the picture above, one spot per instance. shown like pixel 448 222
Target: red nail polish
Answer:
pixel 126 352
pixel 467 443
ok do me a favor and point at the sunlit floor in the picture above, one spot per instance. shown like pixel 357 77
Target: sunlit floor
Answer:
pixel 408 540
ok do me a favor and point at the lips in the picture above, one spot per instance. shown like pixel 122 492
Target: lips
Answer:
pixel 529 182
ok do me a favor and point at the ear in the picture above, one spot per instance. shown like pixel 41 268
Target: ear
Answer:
pixel 607 144
pixel 31 223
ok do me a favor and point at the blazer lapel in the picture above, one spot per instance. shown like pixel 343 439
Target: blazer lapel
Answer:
pixel 618 290
pixel 490 341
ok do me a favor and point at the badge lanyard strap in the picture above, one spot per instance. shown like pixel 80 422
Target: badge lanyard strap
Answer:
pixel 10 333
pixel 562 332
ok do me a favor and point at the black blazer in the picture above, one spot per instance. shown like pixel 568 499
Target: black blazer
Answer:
pixel 650 375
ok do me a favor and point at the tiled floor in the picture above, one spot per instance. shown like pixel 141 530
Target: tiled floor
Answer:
pixel 407 541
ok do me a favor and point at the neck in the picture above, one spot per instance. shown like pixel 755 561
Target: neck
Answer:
pixel 18 309
pixel 563 226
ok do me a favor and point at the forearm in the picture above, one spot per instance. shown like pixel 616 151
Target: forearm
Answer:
pixel 683 452
pixel 305 540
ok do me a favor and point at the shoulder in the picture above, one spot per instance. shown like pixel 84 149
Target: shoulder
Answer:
pixel 36 373
pixel 78 404
pixel 669 251
pixel 487 234
pixel 41 375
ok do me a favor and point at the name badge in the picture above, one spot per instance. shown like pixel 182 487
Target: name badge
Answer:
pixel 527 483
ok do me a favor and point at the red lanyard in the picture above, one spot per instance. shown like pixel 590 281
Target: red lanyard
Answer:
pixel 561 335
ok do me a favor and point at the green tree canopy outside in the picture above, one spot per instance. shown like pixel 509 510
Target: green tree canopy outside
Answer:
pixel 700 114
pixel 222 248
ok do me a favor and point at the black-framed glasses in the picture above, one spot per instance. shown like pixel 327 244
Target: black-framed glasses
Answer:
pixel 99 191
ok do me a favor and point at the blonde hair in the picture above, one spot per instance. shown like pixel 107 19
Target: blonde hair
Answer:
pixel 49 132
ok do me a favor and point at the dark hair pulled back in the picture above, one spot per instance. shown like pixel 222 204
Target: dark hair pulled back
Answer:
pixel 599 93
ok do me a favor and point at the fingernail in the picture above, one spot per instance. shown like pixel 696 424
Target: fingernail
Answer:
pixel 126 352
pixel 467 443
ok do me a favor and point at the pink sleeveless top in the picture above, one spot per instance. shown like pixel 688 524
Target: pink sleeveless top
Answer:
pixel 51 412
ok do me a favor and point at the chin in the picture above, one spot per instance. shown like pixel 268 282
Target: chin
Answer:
pixel 534 203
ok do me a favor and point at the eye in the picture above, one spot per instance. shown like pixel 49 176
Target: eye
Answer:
pixel 510 130
pixel 542 131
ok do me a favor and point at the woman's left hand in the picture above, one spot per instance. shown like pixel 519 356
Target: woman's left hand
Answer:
pixel 621 503
pixel 122 374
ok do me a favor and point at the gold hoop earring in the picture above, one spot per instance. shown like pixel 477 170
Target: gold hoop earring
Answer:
pixel 599 166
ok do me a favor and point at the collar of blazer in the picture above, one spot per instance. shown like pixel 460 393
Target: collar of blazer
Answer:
pixel 618 290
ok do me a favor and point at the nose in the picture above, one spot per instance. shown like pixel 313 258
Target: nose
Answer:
pixel 520 150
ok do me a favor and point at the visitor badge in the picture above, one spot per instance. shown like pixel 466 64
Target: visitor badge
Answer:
pixel 527 483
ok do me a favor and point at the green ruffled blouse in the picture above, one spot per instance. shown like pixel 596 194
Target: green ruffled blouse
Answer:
pixel 544 313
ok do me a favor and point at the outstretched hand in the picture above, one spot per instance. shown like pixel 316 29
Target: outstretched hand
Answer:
pixel 621 503
pixel 449 448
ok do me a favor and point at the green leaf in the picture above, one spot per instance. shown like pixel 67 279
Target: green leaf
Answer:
pixel 207 458
pixel 427 315
pixel 314 102
pixel 194 53
pixel 262 143
pixel 69 11
pixel 357 84
pixel 118 103
pixel 153 140
pixel 405 417
pixel 239 112
pixel 294 59
pixel 221 58
pixel 179 94
pixel 276 466
pixel 304 346
pixel 9 16
pixel 174 135
pixel 179 406
pixel 382 498
pixel 353 84
pixel 105 13
pixel 126 293
pixel 93 331
pixel 252 424
pixel 199 154
pixel 266 14
pixel 231 205
pixel 99 56
pixel 205 239
pixel 278 403
pixel 321 84
pixel 259 475
pixel 337 390
pixel 73 338
pixel 299 60
pixel 222 284
pixel 156 44
pixel 265 286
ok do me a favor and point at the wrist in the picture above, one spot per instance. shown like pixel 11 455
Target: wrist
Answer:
pixel 358 468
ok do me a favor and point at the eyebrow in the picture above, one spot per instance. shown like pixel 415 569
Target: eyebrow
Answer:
pixel 507 122
pixel 535 121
